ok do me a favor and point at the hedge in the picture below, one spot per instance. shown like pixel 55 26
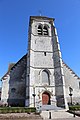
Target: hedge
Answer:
pixel 75 107
pixel 17 110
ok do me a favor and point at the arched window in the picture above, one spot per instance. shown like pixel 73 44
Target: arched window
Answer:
pixel 13 90
pixel 39 30
pixel 45 30
pixel 45 77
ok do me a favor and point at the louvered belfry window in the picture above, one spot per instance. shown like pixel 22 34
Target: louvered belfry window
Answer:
pixel 39 30
pixel 45 30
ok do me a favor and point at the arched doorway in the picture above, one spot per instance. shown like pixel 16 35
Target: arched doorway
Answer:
pixel 46 98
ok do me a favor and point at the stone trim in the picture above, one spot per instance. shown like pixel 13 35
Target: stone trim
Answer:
pixel 41 51
pixel 41 35
pixel 48 86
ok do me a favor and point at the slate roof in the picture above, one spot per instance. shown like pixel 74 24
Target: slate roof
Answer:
pixel 11 66
pixel 75 75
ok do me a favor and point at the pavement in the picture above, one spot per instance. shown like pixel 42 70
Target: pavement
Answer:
pixel 58 115
pixel 25 116
pixel 76 118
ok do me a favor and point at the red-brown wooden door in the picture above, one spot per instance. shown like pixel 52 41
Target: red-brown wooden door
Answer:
pixel 45 98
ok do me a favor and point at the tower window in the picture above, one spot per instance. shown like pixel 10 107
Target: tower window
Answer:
pixel 13 90
pixel 45 30
pixel 42 30
pixel 45 77
pixel 39 30
pixel 45 53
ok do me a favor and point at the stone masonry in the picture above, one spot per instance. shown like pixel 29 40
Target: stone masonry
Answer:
pixel 41 78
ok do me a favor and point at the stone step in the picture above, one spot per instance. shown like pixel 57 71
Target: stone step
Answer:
pixel 51 114
pixel 50 107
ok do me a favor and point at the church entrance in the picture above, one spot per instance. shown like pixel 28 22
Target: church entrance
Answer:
pixel 46 98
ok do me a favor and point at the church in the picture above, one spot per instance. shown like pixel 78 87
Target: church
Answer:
pixel 41 78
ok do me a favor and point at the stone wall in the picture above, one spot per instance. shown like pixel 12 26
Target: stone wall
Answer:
pixel 44 54
pixel 71 80
pixel 17 86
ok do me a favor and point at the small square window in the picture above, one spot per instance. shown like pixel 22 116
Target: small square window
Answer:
pixel 45 53
pixel 13 90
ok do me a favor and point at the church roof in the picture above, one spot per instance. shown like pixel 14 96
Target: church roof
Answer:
pixel 72 72
pixel 11 67
pixel 41 17
pixel 24 57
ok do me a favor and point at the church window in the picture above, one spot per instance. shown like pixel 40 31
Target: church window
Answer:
pixel 42 30
pixel 39 30
pixel 13 90
pixel 45 77
pixel 45 30
pixel 45 53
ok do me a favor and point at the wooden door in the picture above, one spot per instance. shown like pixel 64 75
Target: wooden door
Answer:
pixel 45 98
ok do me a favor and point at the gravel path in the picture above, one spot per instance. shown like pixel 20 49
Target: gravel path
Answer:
pixel 19 116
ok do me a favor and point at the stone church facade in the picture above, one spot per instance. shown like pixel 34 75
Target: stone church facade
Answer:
pixel 41 78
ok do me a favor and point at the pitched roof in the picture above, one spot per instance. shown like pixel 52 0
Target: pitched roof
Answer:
pixel 11 66
pixel 24 57
pixel 75 75
pixel 41 17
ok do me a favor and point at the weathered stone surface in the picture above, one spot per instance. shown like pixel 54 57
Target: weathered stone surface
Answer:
pixel 71 80
pixel 24 82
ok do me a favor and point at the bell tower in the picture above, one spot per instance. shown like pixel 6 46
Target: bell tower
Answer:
pixel 45 84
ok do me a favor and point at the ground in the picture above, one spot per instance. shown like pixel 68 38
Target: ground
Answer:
pixel 20 116
pixel 69 119
pixel 25 116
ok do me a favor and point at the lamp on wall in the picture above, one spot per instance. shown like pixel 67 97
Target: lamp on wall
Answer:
pixel 34 94
pixel 70 90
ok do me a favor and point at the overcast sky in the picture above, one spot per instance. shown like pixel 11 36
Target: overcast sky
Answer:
pixel 14 19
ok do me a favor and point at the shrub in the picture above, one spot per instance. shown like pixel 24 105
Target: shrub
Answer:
pixel 17 110
pixel 75 107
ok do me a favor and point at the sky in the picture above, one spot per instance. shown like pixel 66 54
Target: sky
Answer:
pixel 14 21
